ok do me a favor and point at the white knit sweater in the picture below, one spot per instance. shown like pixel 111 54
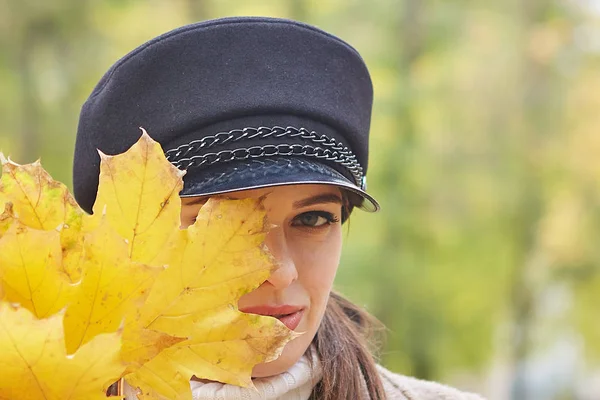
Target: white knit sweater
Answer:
pixel 297 384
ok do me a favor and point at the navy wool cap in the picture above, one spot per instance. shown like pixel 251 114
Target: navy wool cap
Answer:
pixel 239 103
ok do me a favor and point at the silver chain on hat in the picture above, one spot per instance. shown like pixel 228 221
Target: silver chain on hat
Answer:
pixel 327 148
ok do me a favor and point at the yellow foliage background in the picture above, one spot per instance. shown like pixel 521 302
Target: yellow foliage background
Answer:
pixel 484 262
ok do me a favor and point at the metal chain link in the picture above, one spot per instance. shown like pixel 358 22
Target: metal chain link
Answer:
pixel 236 135
pixel 185 156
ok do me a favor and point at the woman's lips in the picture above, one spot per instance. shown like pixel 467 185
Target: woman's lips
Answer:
pixel 290 316
pixel 292 320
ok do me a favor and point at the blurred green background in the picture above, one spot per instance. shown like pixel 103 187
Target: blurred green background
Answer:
pixel 484 263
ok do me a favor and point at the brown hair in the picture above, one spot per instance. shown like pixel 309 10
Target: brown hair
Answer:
pixel 343 343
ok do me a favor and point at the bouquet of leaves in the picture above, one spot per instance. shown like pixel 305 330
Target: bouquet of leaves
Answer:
pixel 86 300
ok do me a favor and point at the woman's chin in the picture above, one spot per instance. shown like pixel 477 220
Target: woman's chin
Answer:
pixel 292 352
pixel 282 364
pixel 290 355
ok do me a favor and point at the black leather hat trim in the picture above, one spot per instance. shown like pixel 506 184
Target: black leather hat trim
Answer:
pixel 269 172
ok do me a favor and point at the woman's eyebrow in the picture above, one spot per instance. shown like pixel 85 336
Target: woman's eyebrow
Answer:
pixel 318 199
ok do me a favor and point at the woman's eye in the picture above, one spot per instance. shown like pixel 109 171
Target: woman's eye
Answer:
pixel 314 219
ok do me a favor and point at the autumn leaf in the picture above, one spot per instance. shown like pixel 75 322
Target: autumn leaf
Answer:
pixel 35 366
pixel 111 288
pixel 42 203
pixel 71 242
pixel 139 195
pixel 226 346
pixel 140 345
pixel 34 194
pixel 129 274
pixel 210 265
pixel 3 199
pixel 30 269
pixel 6 218
pixel 213 263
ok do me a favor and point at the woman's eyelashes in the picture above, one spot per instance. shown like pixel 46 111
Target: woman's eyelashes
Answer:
pixel 315 219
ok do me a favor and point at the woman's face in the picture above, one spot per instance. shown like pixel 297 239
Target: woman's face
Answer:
pixel 306 241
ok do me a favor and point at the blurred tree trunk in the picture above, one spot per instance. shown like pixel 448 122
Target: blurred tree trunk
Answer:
pixel 538 124
pixel 410 324
pixel 419 323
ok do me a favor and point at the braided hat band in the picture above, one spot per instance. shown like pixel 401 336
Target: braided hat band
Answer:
pixel 240 159
pixel 196 154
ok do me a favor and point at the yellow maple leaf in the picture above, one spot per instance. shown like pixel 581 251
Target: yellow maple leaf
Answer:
pixel 35 195
pixel 35 366
pixel 139 195
pixel 226 346
pixel 6 218
pixel 174 291
pixel 30 269
pixel 42 203
pixel 140 345
pixel 212 264
pixel 111 288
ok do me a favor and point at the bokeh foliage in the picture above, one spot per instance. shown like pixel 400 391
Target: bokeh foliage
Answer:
pixel 485 157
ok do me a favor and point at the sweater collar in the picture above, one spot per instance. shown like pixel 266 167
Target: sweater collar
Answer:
pixel 296 383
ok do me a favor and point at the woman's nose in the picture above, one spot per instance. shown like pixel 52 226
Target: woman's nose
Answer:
pixel 285 272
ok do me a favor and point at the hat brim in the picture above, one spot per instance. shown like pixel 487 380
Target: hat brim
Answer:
pixel 274 171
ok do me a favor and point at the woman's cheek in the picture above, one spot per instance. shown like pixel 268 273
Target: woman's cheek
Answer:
pixel 318 261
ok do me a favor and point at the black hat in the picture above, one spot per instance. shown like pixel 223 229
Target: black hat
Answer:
pixel 239 103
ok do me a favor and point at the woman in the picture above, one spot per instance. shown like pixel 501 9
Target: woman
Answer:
pixel 271 108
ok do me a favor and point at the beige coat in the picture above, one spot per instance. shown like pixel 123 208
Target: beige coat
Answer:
pixel 399 387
